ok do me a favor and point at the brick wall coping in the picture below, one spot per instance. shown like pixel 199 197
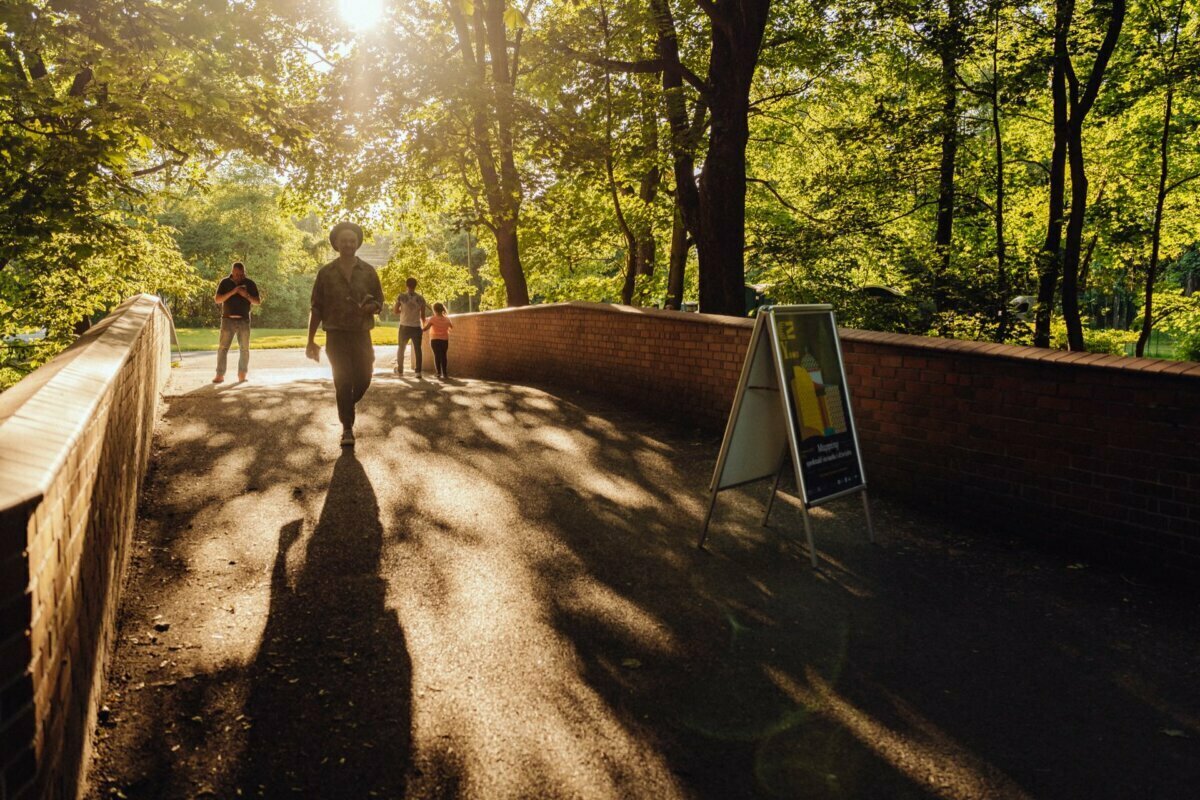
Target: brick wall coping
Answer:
pixel 42 416
pixel 1189 369
pixel 616 308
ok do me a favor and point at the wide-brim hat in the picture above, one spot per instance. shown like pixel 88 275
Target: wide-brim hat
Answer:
pixel 344 226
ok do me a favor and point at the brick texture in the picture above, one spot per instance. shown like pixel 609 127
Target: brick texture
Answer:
pixel 74 445
pixel 1094 453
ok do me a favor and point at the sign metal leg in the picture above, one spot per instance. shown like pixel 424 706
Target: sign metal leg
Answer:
pixel 812 548
pixel 704 533
pixel 867 510
pixel 771 499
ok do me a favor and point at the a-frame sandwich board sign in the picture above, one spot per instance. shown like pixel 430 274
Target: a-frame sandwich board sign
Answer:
pixel 792 397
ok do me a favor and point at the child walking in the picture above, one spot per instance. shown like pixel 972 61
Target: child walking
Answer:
pixel 439 340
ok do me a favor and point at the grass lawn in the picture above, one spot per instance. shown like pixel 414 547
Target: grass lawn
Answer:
pixel 265 338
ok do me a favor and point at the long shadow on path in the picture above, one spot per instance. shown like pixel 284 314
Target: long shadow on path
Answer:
pixel 345 733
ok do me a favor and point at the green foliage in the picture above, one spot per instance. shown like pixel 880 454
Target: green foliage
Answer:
pixel 241 217
pixel 1188 347
pixel 1177 314
pixel 438 280
pixel 52 288
pixel 104 105
pixel 127 130
pixel 1107 340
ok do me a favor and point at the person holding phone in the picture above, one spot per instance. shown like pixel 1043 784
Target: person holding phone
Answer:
pixel 236 294
pixel 345 299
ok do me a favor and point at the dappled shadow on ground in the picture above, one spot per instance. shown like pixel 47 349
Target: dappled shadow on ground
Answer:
pixel 512 573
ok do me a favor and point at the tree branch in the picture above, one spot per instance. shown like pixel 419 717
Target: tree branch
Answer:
pixel 170 162
pixel 698 83
pixel 1181 182
pixel 1073 85
pixel 1096 76
pixel 653 65
pixel 908 213
pixel 1030 117
pixel 770 98
pixel 1037 164
pixel 969 88
pixel 772 190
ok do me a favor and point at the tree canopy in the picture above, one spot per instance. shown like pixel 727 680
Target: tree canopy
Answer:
pixel 920 165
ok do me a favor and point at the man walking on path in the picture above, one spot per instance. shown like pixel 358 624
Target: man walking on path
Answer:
pixel 411 308
pixel 235 295
pixel 345 299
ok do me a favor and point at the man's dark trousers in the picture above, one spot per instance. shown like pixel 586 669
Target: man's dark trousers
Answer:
pixel 407 333
pixel 352 357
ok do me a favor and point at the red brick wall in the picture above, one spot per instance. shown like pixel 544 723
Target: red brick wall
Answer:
pixel 74 445
pixel 1097 453
pixel 685 365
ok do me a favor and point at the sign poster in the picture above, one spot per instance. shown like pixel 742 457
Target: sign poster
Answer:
pixel 808 357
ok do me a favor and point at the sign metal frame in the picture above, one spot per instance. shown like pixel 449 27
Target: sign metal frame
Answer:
pixel 763 428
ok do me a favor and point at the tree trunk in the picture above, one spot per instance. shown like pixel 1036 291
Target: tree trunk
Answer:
pixel 497 163
pixel 1050 255
pixel 650 183
pixel 678 262
pixel 1079 112
pixel 737 34
pixel 631 242
pixel 1164 150
pixel 948 47
pixel 683 138
pixel 1085 266
pixel 1002 286
pixel 721 238
pixel 1070 263
pixel 644 261
pixel 1156 234
pixel 507 250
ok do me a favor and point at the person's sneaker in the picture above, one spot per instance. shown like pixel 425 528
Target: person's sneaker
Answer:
pixel 397 371
pixel 241 377
pixel 219 379
pixel 347 437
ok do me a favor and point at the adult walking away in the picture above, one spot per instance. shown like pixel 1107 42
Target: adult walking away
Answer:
pixel 411 308
pixel 345 299
pixel 235 295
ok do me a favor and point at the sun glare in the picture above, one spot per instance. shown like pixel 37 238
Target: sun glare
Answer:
pixel 361 15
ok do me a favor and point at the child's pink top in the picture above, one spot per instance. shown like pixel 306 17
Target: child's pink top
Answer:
pixel 439 327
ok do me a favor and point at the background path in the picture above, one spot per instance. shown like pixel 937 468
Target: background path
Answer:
pixel 497 595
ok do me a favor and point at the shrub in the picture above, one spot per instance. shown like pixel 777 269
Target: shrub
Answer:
pixel 1188 347
pixel 1106 340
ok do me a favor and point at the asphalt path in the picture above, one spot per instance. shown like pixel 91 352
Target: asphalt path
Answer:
pixel 497 594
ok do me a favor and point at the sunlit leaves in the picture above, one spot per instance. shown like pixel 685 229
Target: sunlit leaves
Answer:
pixel 514 19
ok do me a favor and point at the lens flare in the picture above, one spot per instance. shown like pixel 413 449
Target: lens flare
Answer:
pixel 361 15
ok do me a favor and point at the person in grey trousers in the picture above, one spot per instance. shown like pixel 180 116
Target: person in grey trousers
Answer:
pixel 235 294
